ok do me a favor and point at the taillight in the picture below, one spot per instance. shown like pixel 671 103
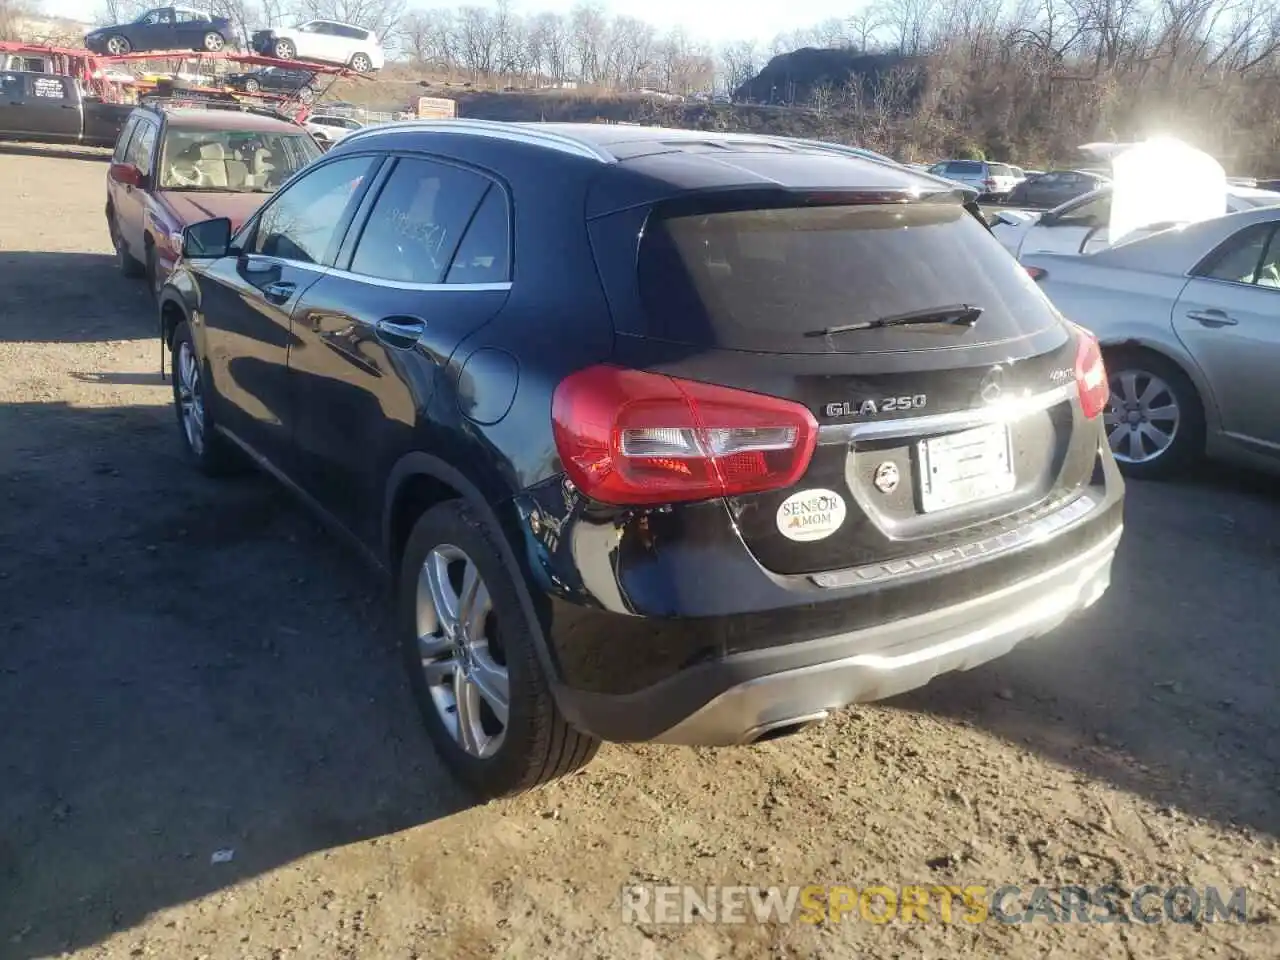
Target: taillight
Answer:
pixel 1035 273
pixel 1091 375
pixel 632 437
pixel 990 181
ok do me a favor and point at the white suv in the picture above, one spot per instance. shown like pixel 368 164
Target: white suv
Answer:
pixel 324 41
pixel 989 179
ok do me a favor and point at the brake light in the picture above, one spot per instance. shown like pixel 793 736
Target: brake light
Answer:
pixel 1091 375
pixel 1036 273
pixel 632 437
pixel 990 181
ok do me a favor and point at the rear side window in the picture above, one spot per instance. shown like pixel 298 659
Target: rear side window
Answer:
pixel 417 222
pixel 484 256
pixel 141 146
pixel 769 279
pixel 1000 170
pixel 1240 257
pixel 964 166
pixel 122 141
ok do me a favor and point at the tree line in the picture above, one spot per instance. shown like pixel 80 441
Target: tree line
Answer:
pixel 1015 79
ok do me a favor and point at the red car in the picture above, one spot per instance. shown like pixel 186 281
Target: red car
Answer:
pixel 174 166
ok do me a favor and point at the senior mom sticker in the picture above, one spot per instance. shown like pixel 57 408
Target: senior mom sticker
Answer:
pixel 811 515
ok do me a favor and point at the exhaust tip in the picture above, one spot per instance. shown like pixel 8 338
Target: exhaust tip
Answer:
pixel 783 728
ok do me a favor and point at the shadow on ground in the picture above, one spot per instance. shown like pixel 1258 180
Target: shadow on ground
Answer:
pixel 52 297
pixel 1167 687
pixel 186 666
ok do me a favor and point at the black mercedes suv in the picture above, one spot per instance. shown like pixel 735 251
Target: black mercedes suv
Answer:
pixel 664 435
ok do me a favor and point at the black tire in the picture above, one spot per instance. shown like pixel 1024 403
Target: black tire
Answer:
pixel 361 63
pixel 538 744
pixel 117 45
pixel 284 50
pixel 252 86
pixel 214 456
pixel 214 41
pixel 129 265
pixel 153 284
pixel 1187 445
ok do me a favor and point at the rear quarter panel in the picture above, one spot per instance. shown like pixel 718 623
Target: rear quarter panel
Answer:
pixel 1122 307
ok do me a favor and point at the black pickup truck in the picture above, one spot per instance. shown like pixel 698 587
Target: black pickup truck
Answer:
pixel 49 108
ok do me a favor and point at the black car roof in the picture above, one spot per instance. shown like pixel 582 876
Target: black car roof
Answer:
pixel 635 164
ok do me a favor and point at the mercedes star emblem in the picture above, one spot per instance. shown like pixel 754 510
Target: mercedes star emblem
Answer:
pixel 886 477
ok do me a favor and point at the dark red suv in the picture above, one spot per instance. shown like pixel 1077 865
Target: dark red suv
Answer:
pixel 175 165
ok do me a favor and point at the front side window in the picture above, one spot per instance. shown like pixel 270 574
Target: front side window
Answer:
pixel 417 222
pixel 234 161
pixel 1240 259
pixel 302 224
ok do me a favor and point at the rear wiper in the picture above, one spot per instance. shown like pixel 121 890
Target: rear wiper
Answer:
pixel 960 314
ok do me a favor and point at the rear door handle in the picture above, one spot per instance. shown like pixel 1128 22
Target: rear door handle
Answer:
pixel 278 292
pixel 400 332
pixel 1211 318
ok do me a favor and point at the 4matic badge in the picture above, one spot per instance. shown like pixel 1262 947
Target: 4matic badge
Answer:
pixel 869 408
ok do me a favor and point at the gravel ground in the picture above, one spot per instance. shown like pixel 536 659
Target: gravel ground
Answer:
pixel 189 667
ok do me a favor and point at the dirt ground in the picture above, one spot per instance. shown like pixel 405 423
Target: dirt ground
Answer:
pixel 189 667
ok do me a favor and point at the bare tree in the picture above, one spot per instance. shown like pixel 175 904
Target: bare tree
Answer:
pixel 863 25
pixel 380 16
pixel 12 13
pixel 739 64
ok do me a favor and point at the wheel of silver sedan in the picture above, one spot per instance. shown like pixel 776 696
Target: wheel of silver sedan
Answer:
pixel 1142 418
pixel 461 654
pixel 190 398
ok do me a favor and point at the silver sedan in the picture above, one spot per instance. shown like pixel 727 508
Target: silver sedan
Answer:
pixel 1189 320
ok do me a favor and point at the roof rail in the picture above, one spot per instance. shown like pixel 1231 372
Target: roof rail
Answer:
pixel 180 101
pixel 498 130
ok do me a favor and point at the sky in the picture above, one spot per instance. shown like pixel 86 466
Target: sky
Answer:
pixel 717 21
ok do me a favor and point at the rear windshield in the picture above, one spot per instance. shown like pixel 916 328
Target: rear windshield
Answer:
pixel 1000 170
pixel 964 166
pixel 765 279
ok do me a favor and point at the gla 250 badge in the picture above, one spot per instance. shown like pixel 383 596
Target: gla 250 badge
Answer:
pixel 869 408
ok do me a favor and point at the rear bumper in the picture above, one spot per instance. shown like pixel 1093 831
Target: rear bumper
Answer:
pixel 739 698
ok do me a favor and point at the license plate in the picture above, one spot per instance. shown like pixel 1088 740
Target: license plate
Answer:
pixel 964 467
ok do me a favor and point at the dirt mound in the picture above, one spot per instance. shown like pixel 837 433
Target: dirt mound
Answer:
pixel 792 77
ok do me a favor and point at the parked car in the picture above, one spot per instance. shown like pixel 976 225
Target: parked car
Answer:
pixel 1188 323
pixel 164 28
pixel 995 180
pixel 299 83
pixel 174 166
pixel 1083 225
pixel 1055 188
pixel 329 129
pixel 50 108
pixel 652 427
pixel 325 41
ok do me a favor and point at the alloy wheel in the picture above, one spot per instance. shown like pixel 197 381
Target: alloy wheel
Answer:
pixel 213 42
pixel 360 63
pixel 117 46
pixel 191 398
pixel 462 657
pixel 1142 417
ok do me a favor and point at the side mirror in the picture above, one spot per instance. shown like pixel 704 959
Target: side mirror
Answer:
pixel 207 240
pixel 127 174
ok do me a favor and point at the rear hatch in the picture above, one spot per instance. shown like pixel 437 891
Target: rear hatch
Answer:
pixel 930 433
